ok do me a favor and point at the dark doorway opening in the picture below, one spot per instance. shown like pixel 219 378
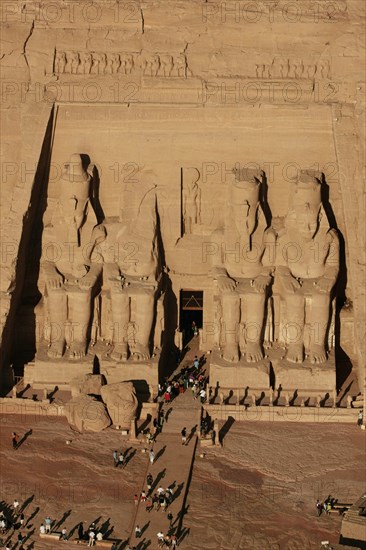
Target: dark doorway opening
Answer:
pixel 191 313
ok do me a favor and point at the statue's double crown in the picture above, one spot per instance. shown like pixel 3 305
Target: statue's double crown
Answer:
pixel 307 188
pixel 246 183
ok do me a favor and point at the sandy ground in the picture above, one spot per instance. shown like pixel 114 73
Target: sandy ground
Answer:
pixel 78 480
pixel 257 492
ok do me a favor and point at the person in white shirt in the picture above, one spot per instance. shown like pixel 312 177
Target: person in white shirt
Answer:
pixel 91 538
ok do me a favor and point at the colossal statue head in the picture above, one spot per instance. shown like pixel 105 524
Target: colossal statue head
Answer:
pixel 306 203
pixel 121 402
pixel 74 173
pixel 244 200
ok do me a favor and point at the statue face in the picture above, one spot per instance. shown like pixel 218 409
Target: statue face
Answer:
pixel 245 215
pixel 307 220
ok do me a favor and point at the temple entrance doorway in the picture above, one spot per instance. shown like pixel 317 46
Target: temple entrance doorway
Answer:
pixel 191 313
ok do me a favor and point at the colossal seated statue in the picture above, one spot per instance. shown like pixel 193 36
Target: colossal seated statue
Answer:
pixel 68 268
pixel 130 274
pixel 242 267
pixel 307 262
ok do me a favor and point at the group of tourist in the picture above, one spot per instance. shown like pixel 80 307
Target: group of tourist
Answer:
pixel 12 520
pixel 188 377
pixel 90 535
pixel 169 541
pixel 158 500
pixel 119 459
pixel 325 506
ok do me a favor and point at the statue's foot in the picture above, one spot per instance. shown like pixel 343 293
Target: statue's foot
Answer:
pixel 119 352
pixel 140 352
pixel 317 354
pixel 253 353
pixel 295 354
pixel 77 350
pixel 231 353
pixel 56 350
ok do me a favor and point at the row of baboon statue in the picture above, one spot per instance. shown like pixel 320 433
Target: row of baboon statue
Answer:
pixel 286 68
pixel 80 257
pixel 97 63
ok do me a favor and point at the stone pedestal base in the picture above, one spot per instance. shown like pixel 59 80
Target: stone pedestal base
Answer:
pixel 306 379
pixel 143 374
pixel 241 375
pixel 47 373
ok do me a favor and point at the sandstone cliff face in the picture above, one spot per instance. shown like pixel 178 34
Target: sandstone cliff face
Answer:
pixel 149 89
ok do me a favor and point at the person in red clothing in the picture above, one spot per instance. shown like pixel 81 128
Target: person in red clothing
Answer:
pixel 167 397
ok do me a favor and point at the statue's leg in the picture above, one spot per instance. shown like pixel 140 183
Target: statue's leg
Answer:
pixel 294 327
pixel 144 320
pixel 254 325
pixel 231 317
pixel 120 303
pixel 80 302
pixel 57 314
pixel 318 327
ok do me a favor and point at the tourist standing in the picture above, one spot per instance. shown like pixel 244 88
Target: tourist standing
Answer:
pixel 148 504
pixel 115 458
pixel 121 459
pixel 137 532
pixel 149 482
pixel 151 456
pixel 16 506
pixel 360 418
pixel 202 396
pixel 184 436
pixel 91 538
pixel 47 523
pixel 160 536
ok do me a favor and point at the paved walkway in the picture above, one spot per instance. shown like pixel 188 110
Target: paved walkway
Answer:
pixel 172 468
